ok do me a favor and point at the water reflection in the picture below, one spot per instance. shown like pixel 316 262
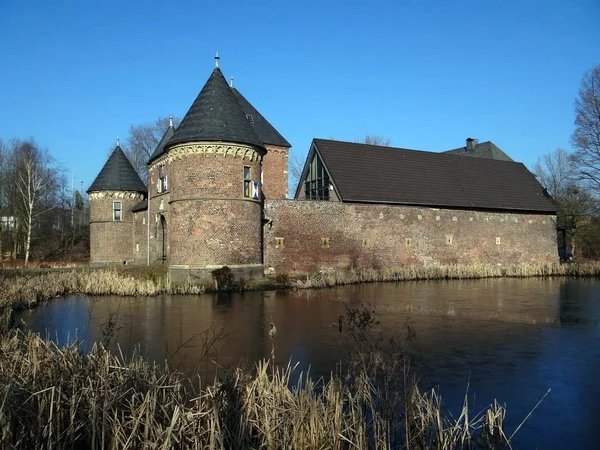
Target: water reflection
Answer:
pixel 508 339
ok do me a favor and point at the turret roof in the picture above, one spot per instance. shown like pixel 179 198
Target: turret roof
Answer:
pixel 265 131
pixel 118 175
pixel 216 115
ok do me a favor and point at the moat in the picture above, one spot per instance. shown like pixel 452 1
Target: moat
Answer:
pixel 508 339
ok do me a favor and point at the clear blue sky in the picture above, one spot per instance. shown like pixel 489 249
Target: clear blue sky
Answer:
pixel 427 74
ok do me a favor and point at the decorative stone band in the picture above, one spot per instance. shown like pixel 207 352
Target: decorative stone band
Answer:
pixel 208 148
pixel 214 266
pixel 204 199
pixel 277 150
pixel 116 194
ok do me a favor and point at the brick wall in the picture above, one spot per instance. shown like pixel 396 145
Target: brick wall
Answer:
pixel 275 172
pixel 209 221
pixel 111 241
pixel 140 242
pixel 330 235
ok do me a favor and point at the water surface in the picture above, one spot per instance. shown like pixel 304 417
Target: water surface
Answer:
pixel 510 339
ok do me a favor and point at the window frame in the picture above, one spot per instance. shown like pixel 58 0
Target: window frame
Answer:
pixel 118 210
pixel 247 182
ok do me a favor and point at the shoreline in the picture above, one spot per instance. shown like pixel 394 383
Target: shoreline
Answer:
pixel 27 288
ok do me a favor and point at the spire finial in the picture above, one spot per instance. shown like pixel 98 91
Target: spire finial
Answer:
pixel 118 145
pixel 170 121
pixel 231 82
pixel 217 60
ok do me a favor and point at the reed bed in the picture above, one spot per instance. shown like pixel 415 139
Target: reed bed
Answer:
pixel 332 278
pixel 59 398
pixel 25 289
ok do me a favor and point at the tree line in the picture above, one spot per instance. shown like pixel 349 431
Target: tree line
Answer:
pixel 573 178
pixel 41 216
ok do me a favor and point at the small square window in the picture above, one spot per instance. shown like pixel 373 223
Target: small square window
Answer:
pixel 325 242
pixel 408 242
pixel 278 242
pixel 449 239
pixel 498 241
pixel 366 243
pixel 117 209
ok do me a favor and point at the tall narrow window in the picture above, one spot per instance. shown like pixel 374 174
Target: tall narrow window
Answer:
pixel 117 210
pixel 161 183
pixel 247 182
pixel 316 186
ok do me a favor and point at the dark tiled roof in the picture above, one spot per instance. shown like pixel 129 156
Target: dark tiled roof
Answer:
pixel 265 131
pixel 141 206
pixel 483 150
pixel 118 175
pixel 369 173
pixel 160 148
pixel 215 115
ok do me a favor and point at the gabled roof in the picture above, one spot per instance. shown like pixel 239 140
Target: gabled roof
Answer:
pixel 216 115
pixel 118 175
pixel 373 174
pixel 160 148
pixel 265 131
pixel 482 150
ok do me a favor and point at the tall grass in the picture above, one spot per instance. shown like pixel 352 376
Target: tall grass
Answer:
pixel 25 289
pixel 53 397
pixel 450 272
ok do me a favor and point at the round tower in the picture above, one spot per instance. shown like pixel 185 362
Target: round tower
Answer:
pixel 115 191
pixel 213 164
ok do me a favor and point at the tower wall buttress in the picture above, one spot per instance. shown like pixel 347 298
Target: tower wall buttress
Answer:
pixel 275 172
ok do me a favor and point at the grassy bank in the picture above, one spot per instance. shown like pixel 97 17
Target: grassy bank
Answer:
pixel 26 288
pixel 54 397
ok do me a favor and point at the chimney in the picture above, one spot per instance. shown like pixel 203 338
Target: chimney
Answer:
pixel 471 143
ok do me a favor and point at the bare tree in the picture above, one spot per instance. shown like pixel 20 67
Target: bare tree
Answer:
pixel 586 137
pixel 142 141
pixel 577 206
pixel 376 139
pixel 555 172
pixel 295 171
pixel 34 179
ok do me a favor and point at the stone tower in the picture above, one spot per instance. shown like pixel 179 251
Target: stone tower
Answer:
pixel 114 192
pixel 213 166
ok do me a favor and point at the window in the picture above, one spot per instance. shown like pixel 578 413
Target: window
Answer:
pixel 161 183
pixel 325 242
pixel 498 241
pixel 278 242
pixel 117 207
pixel 250 118
pixel 247 182
pixel 316 186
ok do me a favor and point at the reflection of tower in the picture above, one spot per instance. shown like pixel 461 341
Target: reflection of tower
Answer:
pixel 116 190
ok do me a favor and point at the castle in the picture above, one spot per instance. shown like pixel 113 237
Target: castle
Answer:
pixel 217 196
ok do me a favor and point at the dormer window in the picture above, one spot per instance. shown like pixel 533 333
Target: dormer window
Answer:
pixel 249 118
pixel 161 183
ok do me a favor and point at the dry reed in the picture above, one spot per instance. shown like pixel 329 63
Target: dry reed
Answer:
pixel 53 397
pixel 450 272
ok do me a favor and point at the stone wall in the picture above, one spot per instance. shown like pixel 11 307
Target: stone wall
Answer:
pixel 306 236
pixel 275 172
pixel 112 241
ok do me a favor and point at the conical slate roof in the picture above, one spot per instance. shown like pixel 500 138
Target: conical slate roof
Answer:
pixel 160 148
pixel 118 175
pixel 216 115
pixel 265 131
